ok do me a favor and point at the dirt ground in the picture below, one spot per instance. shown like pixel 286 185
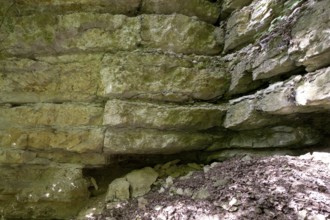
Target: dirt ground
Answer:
pixel 278 187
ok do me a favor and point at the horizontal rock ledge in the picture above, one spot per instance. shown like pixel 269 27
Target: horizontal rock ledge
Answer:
pixel 148 141
pixel 77 139
pixel 48 34
pixel 48 114
pixel 134 114
pixel 300 94
pixel 164 77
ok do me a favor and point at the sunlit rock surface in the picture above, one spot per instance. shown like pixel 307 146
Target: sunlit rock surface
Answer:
pixel 117 85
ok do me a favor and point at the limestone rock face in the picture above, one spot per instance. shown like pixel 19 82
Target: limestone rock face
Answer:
pixel 180 34
pixel 147 141
pixel 310 38
pixel 159 116
pixel 88 84
pixel 202 9
pixel 50 79
pixel 162 77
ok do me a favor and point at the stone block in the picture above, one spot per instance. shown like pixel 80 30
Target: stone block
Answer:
pixel 13 156
pixel 275 137
pixel 310 43
pixel 46 114
pixel 179 34
pixel 50 79
pixel 147 141
pixel 240 66
pixel 203 9
pixel 242 114
pixel 162 116
pixel 80 140
pixel 141 180
pixel 229 6
pixel 244 24
pixel 128 7
pixel 55 34
pixel 59 193
pixel 163 77
pixel 118 190
pixel 314 90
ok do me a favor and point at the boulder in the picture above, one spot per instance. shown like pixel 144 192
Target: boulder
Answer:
pixel 118 190
pixel 141 180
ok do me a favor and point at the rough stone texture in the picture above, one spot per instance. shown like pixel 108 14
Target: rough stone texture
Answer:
pixel 59 192
pixel 280 136
pixel 141 180
pixel 180 34
pixel 145 141
pixel 162 116
pixel 12 156
pixel 314 90
pixel 52 34
pixel 202 9
pixel 118 190
pixel 128 7
pixel 244 24
pixel 243 114
pixel 162 77
pixel 300 94
pixel 310 44
pixel 89 84
pixel 239 65
pixel 80 140
pixel 50 79
pixel 50 115
pixel 229 6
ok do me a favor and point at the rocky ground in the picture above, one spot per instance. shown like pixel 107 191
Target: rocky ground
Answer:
pixel 278 187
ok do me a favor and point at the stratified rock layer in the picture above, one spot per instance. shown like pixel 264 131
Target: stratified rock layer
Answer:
pixel 86 84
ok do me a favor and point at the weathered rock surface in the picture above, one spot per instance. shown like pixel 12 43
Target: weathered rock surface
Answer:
pixel 162 116
pixel 202 9
pixel 162 77
pixel 147 141
pixel 49 114
pixel 58 192
pixel 310 36
pixel 276 137
pixel 134 184
pixel 50 79
pixel 180 34
pixel 85 85
pixel 80 140
pixel 300 94
pixel 26 7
